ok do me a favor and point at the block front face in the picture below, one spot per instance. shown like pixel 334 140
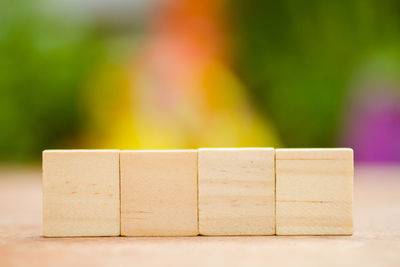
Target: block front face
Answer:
pixel 237 191
pixel 159 193
pixel 314 191
pixel 81 193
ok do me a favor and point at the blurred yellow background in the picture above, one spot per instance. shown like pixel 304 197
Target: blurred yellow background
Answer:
pixel 166 74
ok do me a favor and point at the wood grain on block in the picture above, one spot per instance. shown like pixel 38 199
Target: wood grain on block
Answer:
pixel 314 191
pixel 81 193
pixel 237 191
pixel 159 193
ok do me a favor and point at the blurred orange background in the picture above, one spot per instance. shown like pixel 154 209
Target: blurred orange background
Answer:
pixel 165 74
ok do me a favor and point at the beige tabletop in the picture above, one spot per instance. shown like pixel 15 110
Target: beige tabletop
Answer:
pixel 376 241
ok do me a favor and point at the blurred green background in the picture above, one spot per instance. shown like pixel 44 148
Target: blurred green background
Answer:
pixel 188 74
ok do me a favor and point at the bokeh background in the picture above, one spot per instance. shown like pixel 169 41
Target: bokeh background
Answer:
pixel 147 74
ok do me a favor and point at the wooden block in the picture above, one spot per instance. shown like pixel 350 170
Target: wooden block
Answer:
pixel 159 193
pixel 237 191
pixel 314 191
pixel 81 193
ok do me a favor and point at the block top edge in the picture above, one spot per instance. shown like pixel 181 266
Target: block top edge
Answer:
pixel 313 153
pixel 315 148
pixel 158 150
pixel 236 148
pixel 79 150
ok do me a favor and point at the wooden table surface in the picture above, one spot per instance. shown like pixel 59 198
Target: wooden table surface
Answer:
pixel 376 240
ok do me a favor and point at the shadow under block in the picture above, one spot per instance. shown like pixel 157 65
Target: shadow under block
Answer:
pixel 237 191
pixel 159 193
pixel 314 191
pixel 81 193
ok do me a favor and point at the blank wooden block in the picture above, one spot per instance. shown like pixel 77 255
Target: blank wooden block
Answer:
pixel 159 193
pixel 314 191
pixel 81 193
pixel 237 191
